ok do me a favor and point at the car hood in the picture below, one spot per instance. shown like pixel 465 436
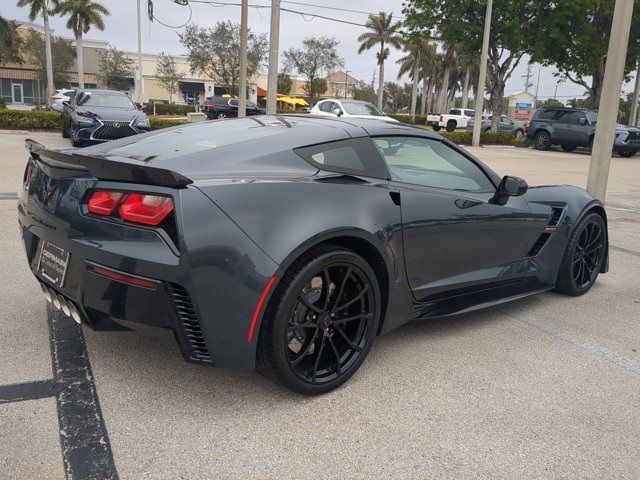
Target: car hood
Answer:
pixel 626 128
pixel 113 114
pixel 372 117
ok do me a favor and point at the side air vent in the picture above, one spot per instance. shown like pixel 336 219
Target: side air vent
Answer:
pixel 552 225
pixel 555 216
pixel 190 324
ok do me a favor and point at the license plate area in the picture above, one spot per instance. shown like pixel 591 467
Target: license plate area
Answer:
pixel 52 263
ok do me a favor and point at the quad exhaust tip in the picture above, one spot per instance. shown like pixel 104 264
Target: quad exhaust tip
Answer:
pixel 60 303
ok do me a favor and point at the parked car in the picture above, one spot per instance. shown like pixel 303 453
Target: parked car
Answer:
pixel 575 127
pixel 94 116
pixel 506 125
pixel 335 107
pixel 222 107
pixel 61 95
pixel 271 243
pixel 456 118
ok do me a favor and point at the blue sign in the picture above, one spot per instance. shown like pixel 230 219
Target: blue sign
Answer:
pixel 524 105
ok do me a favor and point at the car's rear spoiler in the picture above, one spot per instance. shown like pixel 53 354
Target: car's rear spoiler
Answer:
pixel 105 168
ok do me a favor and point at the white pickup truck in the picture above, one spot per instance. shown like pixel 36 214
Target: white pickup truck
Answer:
pixel 456 118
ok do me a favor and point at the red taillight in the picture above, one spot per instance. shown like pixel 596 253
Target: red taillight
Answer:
pixel 28 174
pixel 104 202
pixel 54 98
pixel 442 118
pixel 122 277
pixel 146 209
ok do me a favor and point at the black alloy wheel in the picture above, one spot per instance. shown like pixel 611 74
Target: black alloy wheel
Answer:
pixel 518 133
pixel 221 115
pixel 568 148
pixel 542 140
pixel 321 321
pixel 584 256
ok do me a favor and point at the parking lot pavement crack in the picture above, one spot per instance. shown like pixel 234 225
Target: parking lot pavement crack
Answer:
pixel 624 250
pixel 86 451
pixel 20 392
pixel 599 352
pixel 8 196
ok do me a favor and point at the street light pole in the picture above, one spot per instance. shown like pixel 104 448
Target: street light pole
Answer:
pixel 482 79
pixel 139 72
pixel 274 39
pixel 346 75
pixel 242 94
pixel 610 99
pixel 633 120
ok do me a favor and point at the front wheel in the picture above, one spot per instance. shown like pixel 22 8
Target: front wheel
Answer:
pixel 221 115
pixel 583 256
pixel 436 128
pixel 321 321
pixel 542 140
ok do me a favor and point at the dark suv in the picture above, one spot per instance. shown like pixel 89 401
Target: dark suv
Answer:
pixel 575 127
pixel 221 107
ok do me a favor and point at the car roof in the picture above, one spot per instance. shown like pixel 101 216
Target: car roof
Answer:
pixel 102 91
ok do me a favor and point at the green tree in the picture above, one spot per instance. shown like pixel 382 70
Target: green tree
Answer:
pixel 461 22
pixel 574 35
pixel 364 92
pixel 63 57
pixel 284 83
pixel 167 75
pixel 317 57
pixel 10 42
pixel 384 31
pixel 416 47
pixel 44 8
pixel 83 14
pixel 115 70
pixel 549 102
pixel 216 52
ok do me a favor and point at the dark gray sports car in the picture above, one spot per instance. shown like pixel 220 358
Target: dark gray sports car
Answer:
pixel 291 242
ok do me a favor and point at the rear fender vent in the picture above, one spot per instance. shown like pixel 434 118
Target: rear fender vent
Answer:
pixel 189 325
pixel 552 225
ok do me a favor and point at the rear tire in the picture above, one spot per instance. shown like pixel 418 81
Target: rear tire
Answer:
pixel 221 115
pixel 65 133
pixel 569 148
pixel 436 128
pixel 583 256
pixel 451 125
pixel 321 321
pixel 542 140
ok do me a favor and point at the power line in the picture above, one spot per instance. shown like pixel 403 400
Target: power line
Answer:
pixel 336 8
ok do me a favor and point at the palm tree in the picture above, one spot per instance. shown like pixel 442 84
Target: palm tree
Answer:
pixel 83 14
pixel 383 32
pixel 411 63
pixel 429 69
pixel 37 7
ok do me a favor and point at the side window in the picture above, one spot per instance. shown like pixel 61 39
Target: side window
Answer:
pixel 454 112
pixel 233 102
pixel 506 120
pixel 470 113
pixel 562 116
pixel 545 114
pixel 576 116
pixel 325 106
pixel 431 163
pixel 357 156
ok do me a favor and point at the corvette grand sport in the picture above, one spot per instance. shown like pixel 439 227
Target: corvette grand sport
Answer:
pixel 288 243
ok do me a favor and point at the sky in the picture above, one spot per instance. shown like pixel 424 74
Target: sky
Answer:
pixel 121 32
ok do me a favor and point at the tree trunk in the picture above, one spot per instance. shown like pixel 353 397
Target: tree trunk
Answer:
pixel 80 60
pixel 465 88
pixel 381 78
pixel 429 98
pixel 414 89
pixel 497 92
pixel 423 100
pixel 596 86
pixel 47 48
pixel 445 90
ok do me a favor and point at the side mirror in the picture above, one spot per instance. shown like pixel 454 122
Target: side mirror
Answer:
pixel 510 187
pixel 143 108
pixel 582 121
pixel 337 111
pixel 66 103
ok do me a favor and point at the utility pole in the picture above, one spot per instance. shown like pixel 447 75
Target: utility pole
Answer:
pixel 538 86
pixel 527 78
pixel 47 49
pixel 346 77
pixel 242 94
pixel 139 70
pixel 274 39
pixel 633 120
pixel 482 79
pixel 610 99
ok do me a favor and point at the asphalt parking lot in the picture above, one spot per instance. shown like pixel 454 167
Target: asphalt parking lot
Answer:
pixel 547 387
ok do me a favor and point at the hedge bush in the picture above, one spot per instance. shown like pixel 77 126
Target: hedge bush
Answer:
pixel 29 120
pixel 169 109
pixel 488 138
pixel 157 122
pixel 420 119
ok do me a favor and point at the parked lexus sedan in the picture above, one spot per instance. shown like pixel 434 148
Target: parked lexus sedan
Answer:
pixel 95 116
pixel 289 243
pixel 335 107
pixel 506 125
pixel 222 107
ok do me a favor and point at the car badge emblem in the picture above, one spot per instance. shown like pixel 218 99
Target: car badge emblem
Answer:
pixel 117 125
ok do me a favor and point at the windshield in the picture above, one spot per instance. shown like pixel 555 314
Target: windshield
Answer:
pixel 357 108
pixel 592 116
pixel 88 99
